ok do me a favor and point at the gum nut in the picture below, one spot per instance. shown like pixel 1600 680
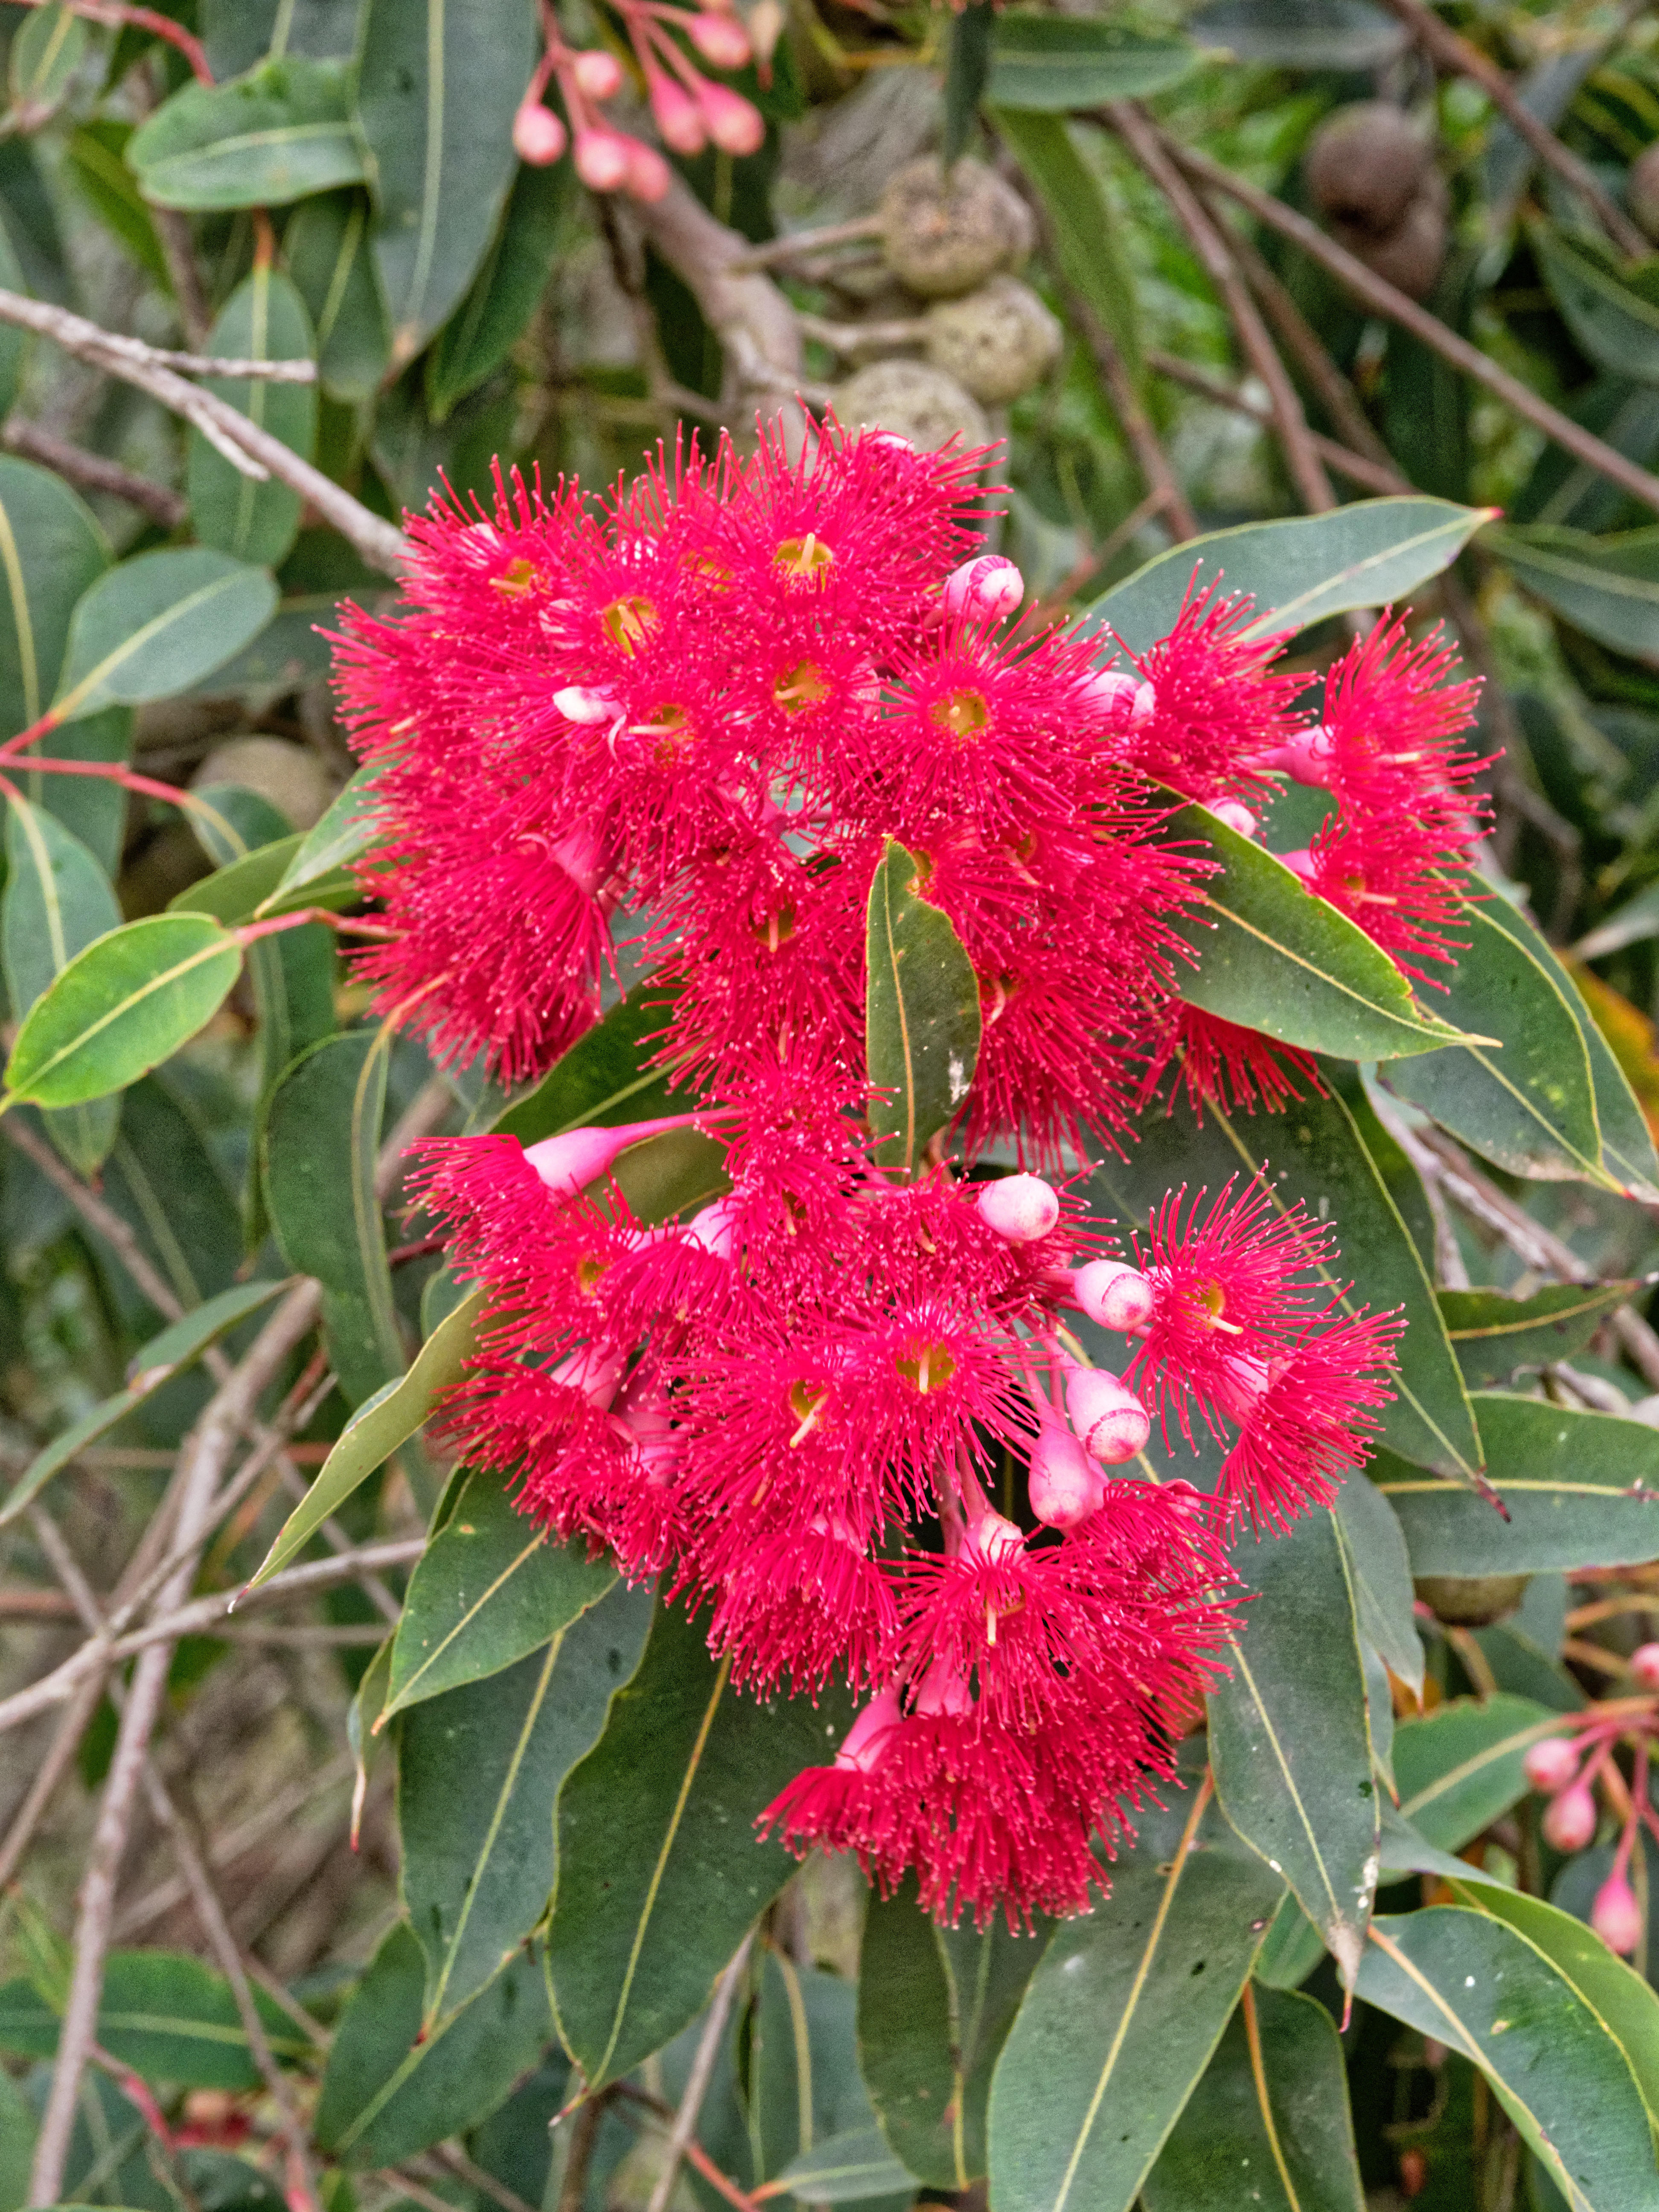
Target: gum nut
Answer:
pixel 1569 1821
pixel 1019 1207
pixel 1116 1296
pixel 577 703
pixel 601 158
pixel 1645 1665
pixel 539 136
pixel 1616 1917
pixel 1111 688
pixel 597 74
pixel 1236 816
pixel 1065 1486
pixel 918 402
pixel 989 585
pixel 1110 1421
pixel 998 341
pixel 944 233
pixel 1552 1764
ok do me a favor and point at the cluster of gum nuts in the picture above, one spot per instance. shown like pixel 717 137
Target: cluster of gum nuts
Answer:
pixel 1564 1769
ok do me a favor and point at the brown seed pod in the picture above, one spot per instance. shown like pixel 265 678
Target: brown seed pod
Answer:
pixel 1411 254
pixel 1471 1600
pixel 941 242
pixel 1642 190
pixel 1365 165
pixel 914 400
pixel 997 342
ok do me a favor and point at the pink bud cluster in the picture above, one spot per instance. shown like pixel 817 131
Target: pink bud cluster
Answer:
pixel 690 111
pixel 1565 1769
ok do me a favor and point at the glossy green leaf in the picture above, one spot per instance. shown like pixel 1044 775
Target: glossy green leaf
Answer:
pixel 671 1174
pixel 1121 2015
pixel 1580 1489
pixel 374 1431
pixel 17 2129
pixel 279 133
pixel 1495 1335
pixel 1291 1948
pixel 1612 312
pixel 1299 571
pixel 601 1081
pixel 1057 63
pixel 935 2006
pixel 50 46
pixel 1085 230
pixel 158 623
pixel 95 162
pixel 166 1180
pixel 488 323
pixel 350 826
pixel 491 1585
pixel 1272 957
pixel 327 249
pixel 129 1001
pixel 167 2016
pixel 1290 1741
pixel 387 2093
pixel 322 1132
pixel 263 320
pixel 1268 2126
pixel 922 1014
pixel 237 33
pixel 1459 1767
pixel 436 91
pixel 1479 1987
pixel 1380 1569
pixel 846 2169
pixel 1303 34
pixel 13 341
pixel 57 900
pixel 660 1869
pixel 478 1769
pixel 1608 587
pixel 232 894
pixel 51 552
pixel 967 69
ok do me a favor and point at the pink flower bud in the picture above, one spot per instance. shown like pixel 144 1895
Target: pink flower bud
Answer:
pixel 1236 816
pixel 539 136
pixel 735 125
pixel 943 1691
pixel 570 1163
pixel 1111 688
pixel 1616 1917
pixel 989 588
pixel 1145 706
pixel 862 1746
pixel 1645 1665
pixel 577 703
pixel 599 75
pixel 1019 1207
pixel 991 1537
pixel 719 40
pixel 1569 1821
pixel 1064 1484
pixel 648 175
pixel 1552 1764
pixel 1114 1294
pixel 887 442
pixel 1300 864
pixel 678 117
pixel 715 1228
pixel 1110 1421
pixel 1240 1385
pixel 594 1372
pixel 583 858
pixel 601 158
pixel 1306 759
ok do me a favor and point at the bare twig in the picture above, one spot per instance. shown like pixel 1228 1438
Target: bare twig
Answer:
pixel 225 1849
pixel 849 339
pixel 1157 470
pixel 1355 467
pixel 92 472
pixel 697 2083
pixel 583 2134
pixel 60 1757
pixel 1334 394
pixel 801 245
pixel 455 2160
pixel 97 1215
pixel 754 322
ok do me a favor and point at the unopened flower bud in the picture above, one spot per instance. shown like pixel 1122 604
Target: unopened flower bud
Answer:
pixel 601 159
pixel 648 175
pixel 943 1691
pixel 1111 688
pixel 578 702
pixel 1300 864
pixel 1241 1385
pixel 734 124
pixel 1616 1917
pixel 1019 1207
pixel 594 1372
pixel 1114 1294
pixel 862 1746
pixel 1569 1821
pixel 988 587
pixel 1236 816
pixel 597 74
pixel 719 39
pixel 1064 1484
pixel 570 1163
pixel 678 117
pixel 539 136
pixel 1552 1764
pixel 1306 759
pixel 1111 1423
pixel 888 441
pixel 991 1537
pixel 1645 1665
pixel 1145 706
pixel 715 1228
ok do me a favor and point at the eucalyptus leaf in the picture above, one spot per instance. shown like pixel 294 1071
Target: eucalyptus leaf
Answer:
pixel 922 1014
pixel 1054 63
pixel 1612 312
pixel 158 623
pixel 488 323
pixel 1606 586
pixel 346 829
pixel 1495 1335
pixel 1087 245
pixel 263 320
pixel 279 133
pixel 57 901
pixel 1380 1570
pixel 603 1081
pixel 846 2169
pixel 330 257
pixel 1459 1767
pixel 51 552
pixel 164 2013
pixel 50 46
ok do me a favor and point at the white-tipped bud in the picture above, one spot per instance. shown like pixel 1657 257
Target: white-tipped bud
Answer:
pixel 1064 1485
pixel 578 702
pixel 887 442
pixel 989 588
pixel 1019 1207
pixel 599 74
pixel 1236 816
pixel 1114 1294
pixel 1111 1423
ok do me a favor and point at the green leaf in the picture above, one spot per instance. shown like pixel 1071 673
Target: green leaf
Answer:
pixel 491 1585
pixel 374 1431
pixel 1299 571
pixel 167 2016
pixel 326 248
pixel 436 92
pixel 1529 1103
pixel 166 1180
pixel 669 1175
pixel 935 2006
pixel 1608 587
pixel 14 346
pixel 153 1363
pixel 50 46
pixel 478 1770
pixel 1290 1741
pixel 1268 2126
pixel 1380 1572
pixel 1292 1945
pixel 350 826
pixel 1458 1768
pixel 1087 245
pixel 51 552
pixel 489 321
pixel 276 134
pixel 16 2145
pixel 322 1132
pixel 846 2169
pixel 1479 1987
pixel 263 320
pixel 94 160
pixel 1495 1335
pixel 1057 63
pixel 1579 1489
pixel 1272 957
pixel 386 2094
pixel 129 1001
pixel 157 624
pixel 1308 34
pixel 600 1082
pixel 1121 2015
pixel 57 900
pixel 967 68
pixel 237 33
pixel 1613 314
pixel 251 888
pixel 921 1013
pixel 659 1870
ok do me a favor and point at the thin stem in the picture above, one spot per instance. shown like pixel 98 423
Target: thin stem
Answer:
pixel 1375 475
pixel 116 13
pixel 93 472
pixel 703 2072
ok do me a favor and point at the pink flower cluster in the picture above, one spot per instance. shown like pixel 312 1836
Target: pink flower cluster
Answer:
pixel 1566 1768
pixel 849 1418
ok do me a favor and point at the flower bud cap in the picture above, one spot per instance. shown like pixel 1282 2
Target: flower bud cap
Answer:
pixel 1550 1766
pixel 1114 1294
pixel 1064 1485
pixel 989 588
pixel 1616 1917
pixel 1020 1208
pixel 538 135
pixel 1645 1665
pixel 1570 1820
pixel 1111 1423
pixel 597 74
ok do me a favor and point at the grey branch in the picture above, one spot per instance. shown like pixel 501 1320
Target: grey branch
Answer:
pixel 93 472
pixel 703 2072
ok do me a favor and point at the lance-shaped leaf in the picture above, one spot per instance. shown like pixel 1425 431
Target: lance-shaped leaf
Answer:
pixel 49 48
pixel 122 1006
pixel 57 900
pixel 601 1081
pixel 1290 1737
pixel 1380 1570
pixel 968 66
pixel 158 623
pixel 1606 586
pixel 277 134
pixel 1495 1335
pixel 935 2006
pixel 166 2014
pixel 847 2169
pixel 489 321
pixel 348 828
pixel 1268 2126
pixel 327 247
pixel 478 1770
pixel 1459 1768
pixel 1059 63
pixel 1478 1986
pixel 263 320
pixel 1614 317
pixel 491 1585
pixel 1579 1489
pixel 1122 2015
pixel 921 1013
pixel 659 1871
pixel 247 888
pixel 1298 572
pixel 1083 227
pixel 51 552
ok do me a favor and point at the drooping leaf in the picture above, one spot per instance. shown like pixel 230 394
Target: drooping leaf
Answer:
pixel 1291 1948
pixel 1495 1335
pixel 49 46
pixel 601 1081
pixel 1380 1569
pixel 1056 63
pixel 1310 34
pixel 659 1870
pixel 263 320
pixel 491 1585
pixel 849 2169
pixel 51 552
pixel 1298 572
pixel 1613 313
pixel 1290 1740
pixel 327 249
pixel 348 828
pixel 1459 1767
pixel 17 2130
pixel 478 1769
pixel 57 900
pixel 1606 586
pixel 921 1013
pixel 166 2014
pixel 157 624
pixel 237 33
pixel 166 1182
pixel 489 321
pixel 1087 246
pixel 277 134
pixel 967 68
